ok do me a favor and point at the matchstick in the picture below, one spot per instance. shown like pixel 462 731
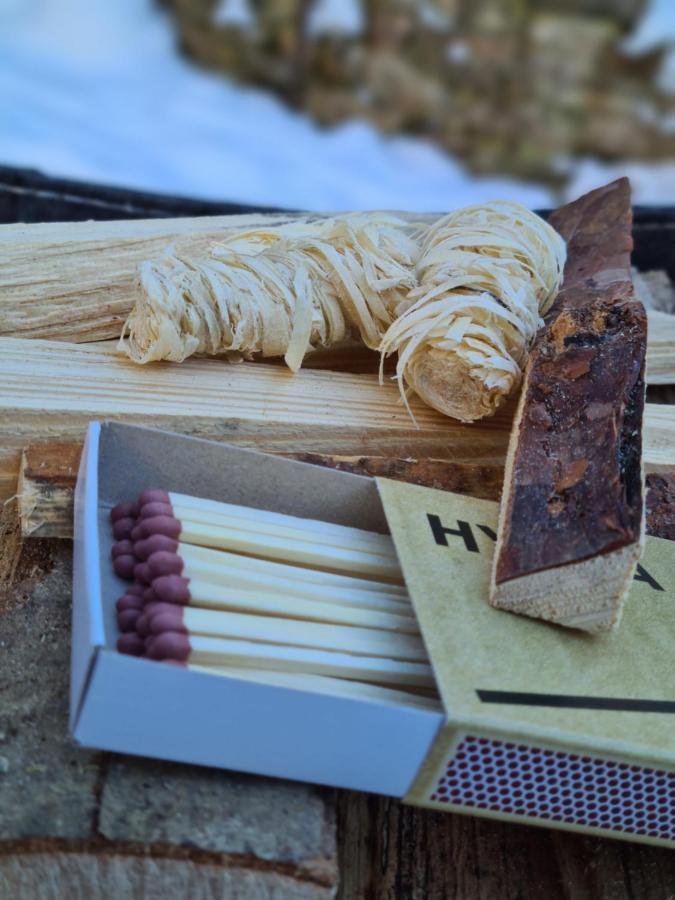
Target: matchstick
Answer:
pixel 142 549
pixel 251 591
pixel 271 630
pixel 196 593
pixel 198 650
pixel 233 573
pixel 324 684
pixel 352 553
pixel 244 518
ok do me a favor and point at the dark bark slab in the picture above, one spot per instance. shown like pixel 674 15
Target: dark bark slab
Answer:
pixel 573 486
pixel 661 506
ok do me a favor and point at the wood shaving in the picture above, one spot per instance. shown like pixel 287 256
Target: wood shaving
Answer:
pixel 460 301
pixel 486 275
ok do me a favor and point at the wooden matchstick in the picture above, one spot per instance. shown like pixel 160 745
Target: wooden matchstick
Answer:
pixel 324 684
pixel 200 510
pixel 197 593
pixel 199 650
pixel 291 597
pixel 296 543
pixel 235 573
pixel 250 565
pixel 167 617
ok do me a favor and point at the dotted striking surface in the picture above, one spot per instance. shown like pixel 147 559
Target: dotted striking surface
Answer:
pixel 559 786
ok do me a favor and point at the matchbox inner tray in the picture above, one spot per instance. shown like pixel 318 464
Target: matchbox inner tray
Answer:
pixel 538 724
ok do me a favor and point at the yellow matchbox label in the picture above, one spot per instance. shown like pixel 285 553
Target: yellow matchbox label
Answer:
pixel 499 673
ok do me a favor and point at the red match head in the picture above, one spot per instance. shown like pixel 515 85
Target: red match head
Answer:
pixel 124 566
pixel 172 589
pixel 145 548
pixel 163 563
pixel 142 573
pixel 169 645
pixel 166 617
pixel 150 510
pixel 153 496
pixel 166 525
pixel 124 511
pixel 122 528
pixel 122 548
pixel 129 601
pixel 131 644
pixel 126 620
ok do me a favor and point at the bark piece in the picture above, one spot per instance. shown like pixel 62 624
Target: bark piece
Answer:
pixel 49 470
pixel 661 506
pixel 571 521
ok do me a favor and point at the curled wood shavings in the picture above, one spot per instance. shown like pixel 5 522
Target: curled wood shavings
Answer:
pixel 486 275
pixel 459 301
pixel 278 292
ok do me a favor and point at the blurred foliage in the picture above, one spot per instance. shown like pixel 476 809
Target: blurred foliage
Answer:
pixel 509 86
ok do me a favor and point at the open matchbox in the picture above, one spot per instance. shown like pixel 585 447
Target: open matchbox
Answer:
pixel 538 724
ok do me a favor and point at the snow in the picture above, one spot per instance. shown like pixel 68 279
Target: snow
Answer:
pixel 234 13
pixel 652 183
pixel 343 17
pixel 433 16
pixel 656 28
pixel 96 90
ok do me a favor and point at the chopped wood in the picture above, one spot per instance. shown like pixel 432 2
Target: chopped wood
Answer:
pixel 654 290
pixel 572 515
pixel 77 281
pixel 46 492
pixel 660 348
pixel 50 390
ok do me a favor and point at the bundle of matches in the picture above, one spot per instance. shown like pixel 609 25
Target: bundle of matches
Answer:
pixel 233 588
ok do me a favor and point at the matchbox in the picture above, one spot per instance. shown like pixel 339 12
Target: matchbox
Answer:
pixel 140 706
pixel 538 724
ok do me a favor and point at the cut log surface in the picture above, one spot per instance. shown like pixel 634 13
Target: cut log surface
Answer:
pixel 572 512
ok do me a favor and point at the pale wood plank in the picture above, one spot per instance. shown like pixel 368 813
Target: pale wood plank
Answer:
pixel 50 390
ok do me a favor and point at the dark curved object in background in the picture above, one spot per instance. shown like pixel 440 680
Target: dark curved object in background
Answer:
pixel 28 196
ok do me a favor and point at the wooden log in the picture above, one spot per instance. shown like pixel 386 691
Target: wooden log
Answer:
pixel 77 282
pixel 50 390
pixel 660 348
pixel 49 470
pixel 661 506
pixel 359 359
pixel 572 515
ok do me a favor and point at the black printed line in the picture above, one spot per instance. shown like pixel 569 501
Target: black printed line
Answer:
pixel 568 701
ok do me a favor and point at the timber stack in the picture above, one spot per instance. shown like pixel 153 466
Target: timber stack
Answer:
pixel 67 290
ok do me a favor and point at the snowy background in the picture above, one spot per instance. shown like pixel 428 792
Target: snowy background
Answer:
pixel 96 90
